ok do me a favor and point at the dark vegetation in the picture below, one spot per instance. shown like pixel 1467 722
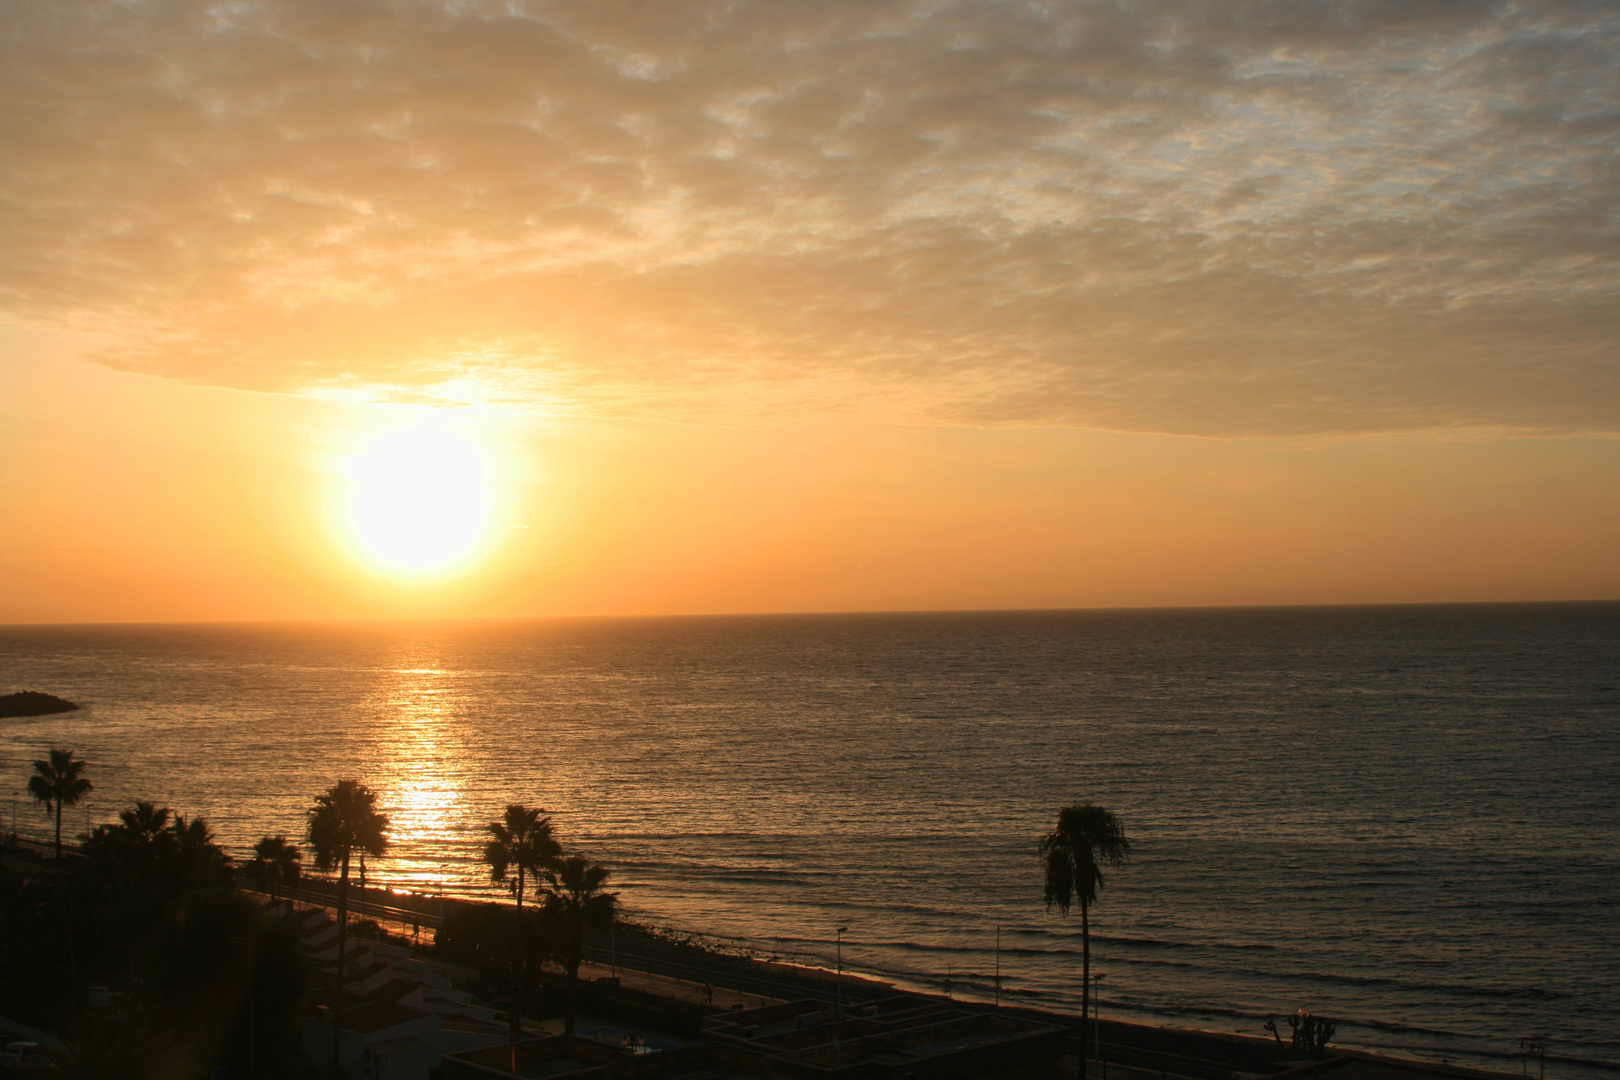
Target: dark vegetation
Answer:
pixel 146 960
pixel 33 703
pixel 1310 1034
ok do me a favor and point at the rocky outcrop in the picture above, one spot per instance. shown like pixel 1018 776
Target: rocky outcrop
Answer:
pixel 33 703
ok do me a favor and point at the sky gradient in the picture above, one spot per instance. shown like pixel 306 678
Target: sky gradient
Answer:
pixel 753 306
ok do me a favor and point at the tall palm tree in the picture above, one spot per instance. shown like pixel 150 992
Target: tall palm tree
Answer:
pixel 574 898
pixel 344 820
pixel 59 781
pixel 277 863
pixel 521 841
pixel 1087 838
pixel 198 860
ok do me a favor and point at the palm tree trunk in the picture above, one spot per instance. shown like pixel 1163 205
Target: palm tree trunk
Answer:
pixel 343 925
pixel 568 1005
pixel 1085 989
pixel 58 828
pixel 523 973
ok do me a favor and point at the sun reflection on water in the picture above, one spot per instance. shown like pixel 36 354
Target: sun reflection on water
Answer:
pixel 422 780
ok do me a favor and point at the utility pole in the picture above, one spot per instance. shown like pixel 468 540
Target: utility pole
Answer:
pixel 998 967
pixel 1537 1046
pixel 840 935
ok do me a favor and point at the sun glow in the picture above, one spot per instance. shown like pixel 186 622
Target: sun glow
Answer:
pixel 420 500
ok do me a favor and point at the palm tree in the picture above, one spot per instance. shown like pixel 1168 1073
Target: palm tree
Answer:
pixel 137 842
pixel 342 821
pixel 145 823
pixel 522 841
pixel 574 899
pixel 276 862
pixel 1086 838
pixel 199 861
pixel 58 781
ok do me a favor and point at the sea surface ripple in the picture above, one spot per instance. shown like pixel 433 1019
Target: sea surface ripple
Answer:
pixel 1404 818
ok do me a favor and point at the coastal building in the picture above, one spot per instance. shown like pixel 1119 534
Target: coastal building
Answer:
pixel 400 1014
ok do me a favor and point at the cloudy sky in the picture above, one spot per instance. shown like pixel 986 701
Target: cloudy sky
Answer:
pixel 1034 286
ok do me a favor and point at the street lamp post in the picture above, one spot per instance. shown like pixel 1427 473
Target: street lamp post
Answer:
pixel 1537 1047
pixel 840 935
pixel 1096 1020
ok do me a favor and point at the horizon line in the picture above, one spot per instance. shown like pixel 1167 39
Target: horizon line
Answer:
pixel 847 613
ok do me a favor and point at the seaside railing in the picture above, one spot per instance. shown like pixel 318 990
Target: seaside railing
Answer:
pixel 698 973
pixel 44 845
pixel 1166 1063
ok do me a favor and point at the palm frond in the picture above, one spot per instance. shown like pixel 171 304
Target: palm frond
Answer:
pixel 1087 838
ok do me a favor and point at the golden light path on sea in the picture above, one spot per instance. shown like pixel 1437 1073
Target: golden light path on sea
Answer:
pixel 421 787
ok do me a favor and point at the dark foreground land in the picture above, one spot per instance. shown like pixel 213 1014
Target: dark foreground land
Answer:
pixel 204 973
pixel 702 977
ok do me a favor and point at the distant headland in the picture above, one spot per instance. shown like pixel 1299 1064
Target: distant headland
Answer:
pixel 33 703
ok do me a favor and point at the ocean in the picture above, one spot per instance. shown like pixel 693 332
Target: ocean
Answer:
pixel 1403 818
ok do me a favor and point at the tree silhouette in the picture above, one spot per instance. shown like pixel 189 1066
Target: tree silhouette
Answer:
pixel 200 863
pixel 520 841
pixel 344 820
pixel 172 853
pixel 574 898
pixel 1087 837
pixel 59 781
pixel 277 863
pixel 140 867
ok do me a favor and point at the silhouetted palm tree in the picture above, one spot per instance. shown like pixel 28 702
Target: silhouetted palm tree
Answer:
pixel 199 861
pixel 136 843
pixel 59 781
pixel 1087 838
pixel 145 823
pixel 277 863
pixel 147 862
pixel 344 820
pixel 521 841
pixel 574 898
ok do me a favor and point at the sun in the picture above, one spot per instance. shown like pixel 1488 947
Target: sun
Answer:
pixel 419 501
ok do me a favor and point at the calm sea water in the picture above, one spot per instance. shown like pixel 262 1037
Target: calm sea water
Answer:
pixel 1404 818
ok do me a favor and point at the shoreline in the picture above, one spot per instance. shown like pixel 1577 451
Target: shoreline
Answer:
pixel 685 955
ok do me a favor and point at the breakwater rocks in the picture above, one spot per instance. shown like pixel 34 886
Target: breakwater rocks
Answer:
pixel 33 703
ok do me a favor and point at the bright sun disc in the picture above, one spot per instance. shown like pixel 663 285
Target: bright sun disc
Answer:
pixel 420 500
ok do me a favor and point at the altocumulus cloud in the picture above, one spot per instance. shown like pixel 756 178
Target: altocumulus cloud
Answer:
pixel 1215 218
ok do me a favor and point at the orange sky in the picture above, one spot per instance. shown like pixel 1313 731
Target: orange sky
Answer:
pixel 774 307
